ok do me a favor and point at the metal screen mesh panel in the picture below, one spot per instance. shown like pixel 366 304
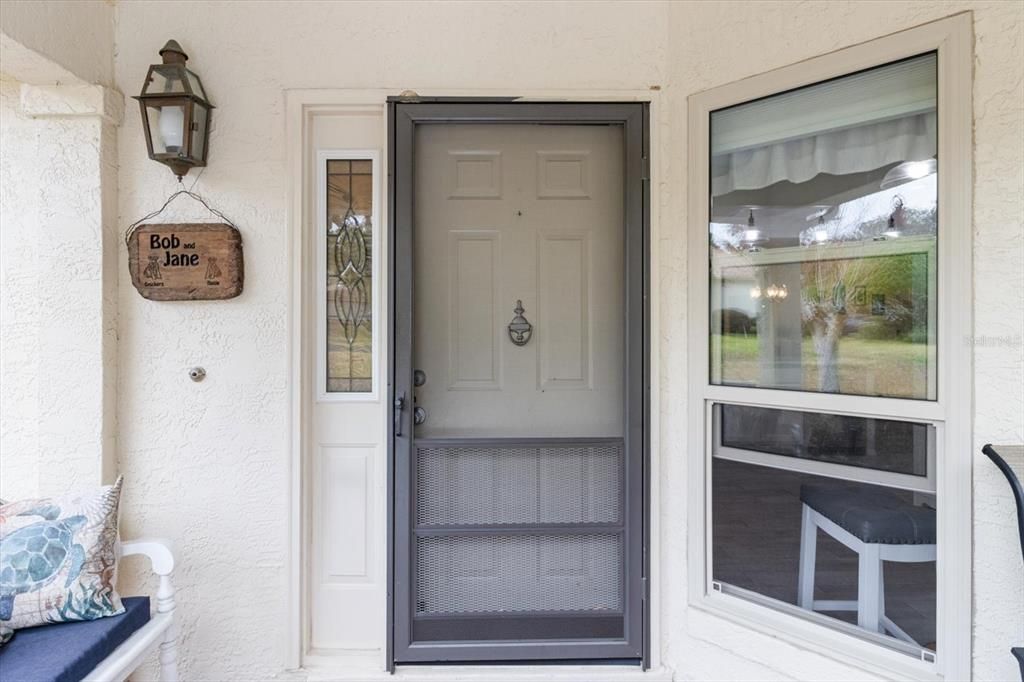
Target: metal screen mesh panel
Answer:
pixel 472 485
pixel 516 573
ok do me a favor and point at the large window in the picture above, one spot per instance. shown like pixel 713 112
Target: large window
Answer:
pixel 820 407
pixel 822 236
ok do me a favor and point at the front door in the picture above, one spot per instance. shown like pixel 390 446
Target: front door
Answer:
pixel 518 517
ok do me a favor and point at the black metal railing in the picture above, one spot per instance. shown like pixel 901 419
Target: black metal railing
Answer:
pixel 1018 497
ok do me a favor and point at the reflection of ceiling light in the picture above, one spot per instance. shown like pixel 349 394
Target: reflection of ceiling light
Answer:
pixel 752 236
pixel 821 232
pixel 907 171
pixel 755 293
pixel 892 230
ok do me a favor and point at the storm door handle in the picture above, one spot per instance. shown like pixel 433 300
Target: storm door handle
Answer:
pixel 399 407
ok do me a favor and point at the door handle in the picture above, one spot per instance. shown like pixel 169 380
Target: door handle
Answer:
pixel 399 408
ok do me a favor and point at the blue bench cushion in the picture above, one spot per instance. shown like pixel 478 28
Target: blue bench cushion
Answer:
pixel 67 652
pixel 874 516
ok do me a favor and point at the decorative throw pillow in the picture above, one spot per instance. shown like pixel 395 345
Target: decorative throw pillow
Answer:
pixel 58 558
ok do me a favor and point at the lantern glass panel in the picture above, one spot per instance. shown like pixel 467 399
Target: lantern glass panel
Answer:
pixel 195 84
pixel 200 120
pixel 166 79
pixel 166 127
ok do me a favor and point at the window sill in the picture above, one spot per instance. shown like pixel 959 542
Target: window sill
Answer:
pixel 833 644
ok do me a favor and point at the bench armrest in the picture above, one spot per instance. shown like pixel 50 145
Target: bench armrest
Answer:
pixel 162 560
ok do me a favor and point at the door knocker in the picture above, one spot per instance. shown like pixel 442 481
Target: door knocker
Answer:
pixel 519 329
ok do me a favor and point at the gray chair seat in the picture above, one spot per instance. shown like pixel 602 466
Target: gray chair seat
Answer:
pixel 873 516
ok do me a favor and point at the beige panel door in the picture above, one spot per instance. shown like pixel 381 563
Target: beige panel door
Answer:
pixel 530 213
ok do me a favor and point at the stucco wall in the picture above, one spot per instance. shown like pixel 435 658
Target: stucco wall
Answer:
pixel 58 359
pixel 58 194
pixel 208 464
pixel 78 35
pixel 19 309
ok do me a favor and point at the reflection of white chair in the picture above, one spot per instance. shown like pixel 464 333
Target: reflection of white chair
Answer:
pixel 879 527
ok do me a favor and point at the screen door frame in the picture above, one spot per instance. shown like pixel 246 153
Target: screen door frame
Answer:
pixel 633 118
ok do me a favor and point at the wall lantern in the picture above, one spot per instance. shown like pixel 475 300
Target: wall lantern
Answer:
pixel 175 112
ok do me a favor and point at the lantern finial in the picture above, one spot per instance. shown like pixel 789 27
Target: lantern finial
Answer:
pixel 172 53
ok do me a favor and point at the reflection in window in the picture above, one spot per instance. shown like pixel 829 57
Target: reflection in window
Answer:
pixel 823 236
pixel 349 276
pixel 879 444
pixel 759 544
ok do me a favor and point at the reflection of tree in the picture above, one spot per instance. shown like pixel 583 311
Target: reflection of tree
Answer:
pixel 823 307
pixel 827 281
pixel 823 295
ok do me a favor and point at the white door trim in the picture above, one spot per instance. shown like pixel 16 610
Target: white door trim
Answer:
pixel 301 105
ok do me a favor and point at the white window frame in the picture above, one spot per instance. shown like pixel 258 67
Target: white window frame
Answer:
pixel 320 291
pixel 918 484
pixel 951 414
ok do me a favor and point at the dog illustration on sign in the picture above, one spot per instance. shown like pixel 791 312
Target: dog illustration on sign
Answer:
pixel 212 269
pixel 152 270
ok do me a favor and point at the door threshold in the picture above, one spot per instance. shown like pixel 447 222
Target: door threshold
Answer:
pixel 491 673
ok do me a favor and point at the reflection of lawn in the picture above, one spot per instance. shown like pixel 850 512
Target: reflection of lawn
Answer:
pixel 866 366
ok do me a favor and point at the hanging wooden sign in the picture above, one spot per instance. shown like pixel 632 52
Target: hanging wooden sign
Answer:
pixel 186 261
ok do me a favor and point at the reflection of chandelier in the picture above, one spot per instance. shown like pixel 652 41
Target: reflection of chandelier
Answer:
pixel 773 292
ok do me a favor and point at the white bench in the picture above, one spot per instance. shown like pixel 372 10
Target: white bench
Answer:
pixel 160 632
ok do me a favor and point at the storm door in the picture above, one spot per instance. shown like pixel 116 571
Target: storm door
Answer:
pixel 519 429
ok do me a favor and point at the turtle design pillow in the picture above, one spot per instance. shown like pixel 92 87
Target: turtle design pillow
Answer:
pixel 58 558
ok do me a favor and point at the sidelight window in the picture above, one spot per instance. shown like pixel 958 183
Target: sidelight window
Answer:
pixel 347 234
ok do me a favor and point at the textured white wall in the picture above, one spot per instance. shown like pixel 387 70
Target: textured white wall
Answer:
pixel 19 313
pixel 57 294
pixel 207 464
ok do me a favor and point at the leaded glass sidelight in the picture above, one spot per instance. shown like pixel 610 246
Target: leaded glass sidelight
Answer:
pixel 349 276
